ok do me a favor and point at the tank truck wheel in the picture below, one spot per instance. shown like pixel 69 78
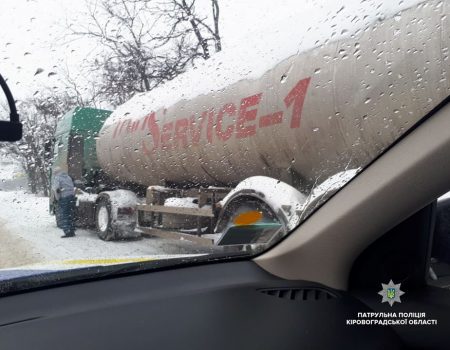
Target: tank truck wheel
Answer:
pixel 103 220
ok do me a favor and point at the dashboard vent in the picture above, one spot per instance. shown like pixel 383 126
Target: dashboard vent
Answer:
pixel 300 294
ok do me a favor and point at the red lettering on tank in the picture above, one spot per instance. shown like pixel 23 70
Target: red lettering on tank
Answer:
pixel 129 126
pixel 121 126
pixel 196 127
pixel 297 97
pixel 189 131
pixel 246 115
pixel 180 137
pixel 166 135
pixel 144 122
pixel 209 130
pixel 270 119
pixel 153 131
pixel 227 110
pixel 135 125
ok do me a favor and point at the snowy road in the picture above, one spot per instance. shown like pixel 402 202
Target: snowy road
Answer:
pixel 28 235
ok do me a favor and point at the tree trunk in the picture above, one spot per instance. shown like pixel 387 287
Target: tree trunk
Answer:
pixel 199 36
pixel 32 181
pixel 215 10
pixel 44 181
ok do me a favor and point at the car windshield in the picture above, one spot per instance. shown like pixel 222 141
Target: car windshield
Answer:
pixel 169 131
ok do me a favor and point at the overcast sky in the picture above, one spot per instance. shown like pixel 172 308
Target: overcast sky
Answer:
pixel 34 36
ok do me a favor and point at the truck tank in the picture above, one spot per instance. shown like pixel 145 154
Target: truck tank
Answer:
pixel 315 113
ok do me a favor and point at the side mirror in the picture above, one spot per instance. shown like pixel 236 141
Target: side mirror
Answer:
pixel 10 130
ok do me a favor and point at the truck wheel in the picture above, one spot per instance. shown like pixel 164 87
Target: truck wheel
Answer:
pixel 103 220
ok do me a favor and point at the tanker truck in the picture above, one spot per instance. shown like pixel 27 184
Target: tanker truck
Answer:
pixel 236 144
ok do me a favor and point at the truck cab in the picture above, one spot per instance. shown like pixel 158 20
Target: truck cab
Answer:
pixel 75 148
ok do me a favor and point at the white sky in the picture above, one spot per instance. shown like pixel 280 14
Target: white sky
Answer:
pixel 31 39
pixel 34 32
pixel 33 36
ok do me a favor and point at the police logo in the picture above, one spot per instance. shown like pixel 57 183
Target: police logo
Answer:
pixel 391 293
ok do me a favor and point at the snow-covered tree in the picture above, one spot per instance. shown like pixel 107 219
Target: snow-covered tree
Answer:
pixel 142 44
pixel 39 117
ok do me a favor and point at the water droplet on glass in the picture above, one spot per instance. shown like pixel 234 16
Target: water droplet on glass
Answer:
pixel 38 71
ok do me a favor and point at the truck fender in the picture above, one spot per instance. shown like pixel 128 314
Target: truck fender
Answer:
pixel 283 200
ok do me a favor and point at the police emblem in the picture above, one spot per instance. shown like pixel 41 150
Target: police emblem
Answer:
pixel 391 293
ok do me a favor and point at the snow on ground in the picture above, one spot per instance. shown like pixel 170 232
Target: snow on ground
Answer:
pixel 12 175
pixel 28 235
pixel 10 169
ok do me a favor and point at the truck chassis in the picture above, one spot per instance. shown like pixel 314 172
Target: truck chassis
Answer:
pixel 151 215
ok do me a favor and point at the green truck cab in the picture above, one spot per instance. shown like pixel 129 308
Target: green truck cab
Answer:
pixel 75 146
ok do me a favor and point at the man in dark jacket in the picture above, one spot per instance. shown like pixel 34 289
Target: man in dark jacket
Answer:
pixel 64 192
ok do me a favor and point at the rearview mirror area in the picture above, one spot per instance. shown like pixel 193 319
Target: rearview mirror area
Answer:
pixel 10 130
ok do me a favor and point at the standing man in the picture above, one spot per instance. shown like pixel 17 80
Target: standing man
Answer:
pixel 64 192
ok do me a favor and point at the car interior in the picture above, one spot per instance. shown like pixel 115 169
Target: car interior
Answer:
pixel 386 224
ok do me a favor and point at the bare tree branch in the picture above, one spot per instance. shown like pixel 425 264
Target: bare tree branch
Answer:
pixel 144 43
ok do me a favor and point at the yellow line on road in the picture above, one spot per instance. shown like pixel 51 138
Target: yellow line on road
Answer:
pixel 102 261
